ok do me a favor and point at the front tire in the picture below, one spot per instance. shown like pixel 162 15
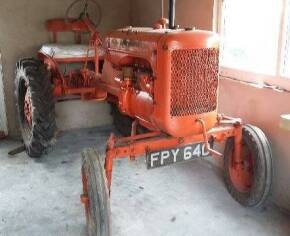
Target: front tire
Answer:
pixel 95 191
pixel 35 106
pixel 249 182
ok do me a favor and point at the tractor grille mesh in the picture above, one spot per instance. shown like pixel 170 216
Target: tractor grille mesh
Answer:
pixel 194 81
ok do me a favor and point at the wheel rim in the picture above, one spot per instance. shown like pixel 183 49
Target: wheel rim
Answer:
pixel 27 109
pixel 242 174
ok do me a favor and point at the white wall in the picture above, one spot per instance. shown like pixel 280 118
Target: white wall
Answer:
pixel 189 13
pixel 76 114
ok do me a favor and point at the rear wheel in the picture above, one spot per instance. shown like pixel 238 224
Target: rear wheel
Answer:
pixel 35 106
pixel 249 182
pixel 95 194
pixel 123 123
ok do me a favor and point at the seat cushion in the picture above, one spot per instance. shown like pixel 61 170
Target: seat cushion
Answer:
pixel 61 51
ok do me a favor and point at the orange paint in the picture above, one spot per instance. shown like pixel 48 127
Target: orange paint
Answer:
pixel 166 80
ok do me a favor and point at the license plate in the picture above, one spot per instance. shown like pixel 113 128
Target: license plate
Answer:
pixel 170 156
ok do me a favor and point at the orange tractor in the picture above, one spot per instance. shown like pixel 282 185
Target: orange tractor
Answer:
pixel 162 83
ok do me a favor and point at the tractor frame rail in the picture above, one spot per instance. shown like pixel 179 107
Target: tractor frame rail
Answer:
pixel 140 144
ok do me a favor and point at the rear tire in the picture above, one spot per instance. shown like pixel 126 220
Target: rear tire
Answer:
pixel 249 182
pixel 95 189
pixel 35 106
pixel 122 123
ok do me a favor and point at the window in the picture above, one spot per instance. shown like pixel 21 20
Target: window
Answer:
pixel 255 40
pixel 286 57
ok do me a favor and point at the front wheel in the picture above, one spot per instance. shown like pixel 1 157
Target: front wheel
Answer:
pixel 95 194
pixel 249 181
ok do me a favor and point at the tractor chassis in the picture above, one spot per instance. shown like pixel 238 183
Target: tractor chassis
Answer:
pixel 138 145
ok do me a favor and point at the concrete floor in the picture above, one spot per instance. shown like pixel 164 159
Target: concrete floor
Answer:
pixel 41 197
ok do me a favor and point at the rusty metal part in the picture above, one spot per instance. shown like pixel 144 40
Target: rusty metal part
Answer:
pixel 28 107
pixel 56 26
pixel 139 145
pixel 170 84
pixel 133 133
pixel 207 146
pixel 242 172
pixel 161 23
pixel 80 25
pixel 84 12
pixel 76 82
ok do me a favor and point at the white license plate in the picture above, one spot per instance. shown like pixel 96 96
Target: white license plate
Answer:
pixel 170 156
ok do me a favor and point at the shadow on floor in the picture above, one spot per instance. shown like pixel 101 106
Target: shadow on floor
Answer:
pixel 41 197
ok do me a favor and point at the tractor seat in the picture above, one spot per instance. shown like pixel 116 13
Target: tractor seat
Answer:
pixel 67 52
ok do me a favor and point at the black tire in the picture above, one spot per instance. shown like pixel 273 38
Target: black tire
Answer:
pixel 122 123
pixel 95 189
pixel 255 146
pixel 38 134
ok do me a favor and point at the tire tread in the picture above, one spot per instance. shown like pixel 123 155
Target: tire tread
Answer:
pixel 42 135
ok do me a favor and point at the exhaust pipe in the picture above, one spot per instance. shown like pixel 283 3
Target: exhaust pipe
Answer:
pixel 171 14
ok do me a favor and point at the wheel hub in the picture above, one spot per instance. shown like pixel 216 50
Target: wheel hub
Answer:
pixel 28 107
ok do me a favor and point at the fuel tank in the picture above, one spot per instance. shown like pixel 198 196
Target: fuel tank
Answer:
pixel 182 69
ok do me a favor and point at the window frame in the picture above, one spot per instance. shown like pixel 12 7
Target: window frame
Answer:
pixel 278 80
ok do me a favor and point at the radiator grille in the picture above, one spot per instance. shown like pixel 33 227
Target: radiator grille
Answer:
pixel 194 81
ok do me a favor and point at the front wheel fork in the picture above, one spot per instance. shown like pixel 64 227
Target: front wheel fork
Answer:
pixel 238 145
pixel 109 169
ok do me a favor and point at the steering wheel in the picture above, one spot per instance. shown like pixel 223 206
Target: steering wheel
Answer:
pixel 85 5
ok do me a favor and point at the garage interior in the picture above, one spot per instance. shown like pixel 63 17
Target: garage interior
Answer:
pixel 41 196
